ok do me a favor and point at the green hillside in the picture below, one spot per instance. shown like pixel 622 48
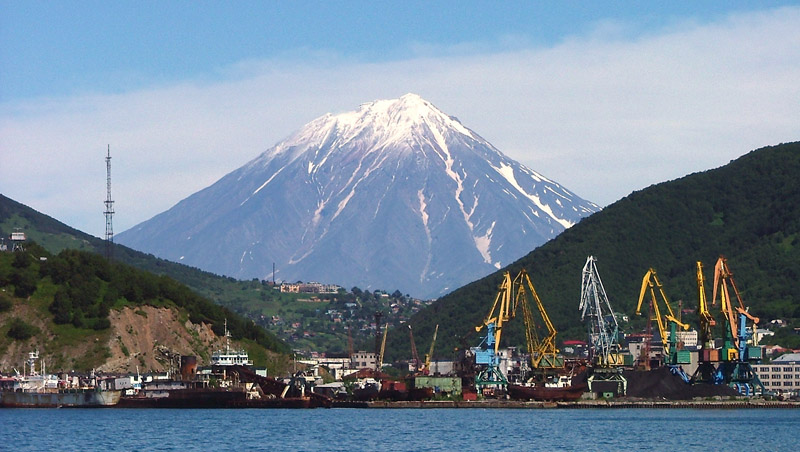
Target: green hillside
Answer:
pixel 70 295
pixel 748 211
pixel 320 323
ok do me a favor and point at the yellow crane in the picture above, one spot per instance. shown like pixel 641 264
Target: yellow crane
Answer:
pixel 723 276
pixel 487 352
pixel 505 311
pixel 383 347
pixel 543 351
pixel 649 284
pixel 706 372
pixel 429 356
pixel 707 322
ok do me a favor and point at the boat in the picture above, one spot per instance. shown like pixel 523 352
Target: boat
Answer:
pixel 560 390
pixel 366 389
pixel 184 395
pixel 33 389
pixel 228 356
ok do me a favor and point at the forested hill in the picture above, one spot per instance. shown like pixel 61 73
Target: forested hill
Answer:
pixel 71 294
pixel 55 236
pixel 748 211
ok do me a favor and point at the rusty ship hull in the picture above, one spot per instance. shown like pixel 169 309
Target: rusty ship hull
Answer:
pixel 546 393
pixel 66 398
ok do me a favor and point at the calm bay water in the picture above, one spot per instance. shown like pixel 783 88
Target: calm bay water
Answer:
pixel 399 429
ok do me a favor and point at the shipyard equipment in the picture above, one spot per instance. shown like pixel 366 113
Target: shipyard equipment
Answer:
pixel 673 358
pixel 414 354
pixel 708 357
pixel 487 352
pixel 383 347
pixel 429 356
pixel 542 348
pixel 602 330
pixel 736 356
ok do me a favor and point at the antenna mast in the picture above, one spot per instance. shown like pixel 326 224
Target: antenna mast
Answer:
pixel 109 212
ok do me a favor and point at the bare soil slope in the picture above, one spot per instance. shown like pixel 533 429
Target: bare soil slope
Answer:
pixel 146 336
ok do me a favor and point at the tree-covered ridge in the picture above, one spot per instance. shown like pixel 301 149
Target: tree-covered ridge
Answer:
pixel 748 211
pixel 85 286
pixel 254 299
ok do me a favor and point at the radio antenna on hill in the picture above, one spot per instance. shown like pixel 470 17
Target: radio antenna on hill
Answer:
pixel 109 212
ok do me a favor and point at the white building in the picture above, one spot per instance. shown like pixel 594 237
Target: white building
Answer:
pixel 782 375
pixel 362 359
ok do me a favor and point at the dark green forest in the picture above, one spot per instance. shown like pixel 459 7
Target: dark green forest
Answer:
pixel 748 211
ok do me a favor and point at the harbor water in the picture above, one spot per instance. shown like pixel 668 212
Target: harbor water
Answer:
pixel 399 429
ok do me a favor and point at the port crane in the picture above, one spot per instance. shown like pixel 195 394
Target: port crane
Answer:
pixel 383 347
pixel 736 356
pixel 414 354
pixel 429 356
pixel 706 371
pixel 543 351
pixel 602 330
pixel 487 352
pixel 665 322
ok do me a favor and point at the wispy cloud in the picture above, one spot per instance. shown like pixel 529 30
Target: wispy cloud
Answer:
pixel 602 114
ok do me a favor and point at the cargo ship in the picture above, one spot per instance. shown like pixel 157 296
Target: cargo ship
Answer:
pixel 33 389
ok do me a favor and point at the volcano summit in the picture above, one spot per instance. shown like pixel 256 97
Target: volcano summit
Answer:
pixel 394 195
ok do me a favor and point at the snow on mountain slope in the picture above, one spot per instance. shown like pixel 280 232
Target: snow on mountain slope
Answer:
pixel 394 195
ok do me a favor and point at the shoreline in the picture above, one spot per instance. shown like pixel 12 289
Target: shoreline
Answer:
pixel 583 404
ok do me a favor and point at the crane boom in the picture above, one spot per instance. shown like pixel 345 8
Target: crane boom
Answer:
pixel 429 356
pixel 488 352
pixel 543 351
pixel 723 276
pixel 414 354
pixel 649 283
pixel 602 325
pixel 707 322
pixel 504 305
pixel 383 346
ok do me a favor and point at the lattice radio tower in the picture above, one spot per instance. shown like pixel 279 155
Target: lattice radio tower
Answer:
pixel 109 212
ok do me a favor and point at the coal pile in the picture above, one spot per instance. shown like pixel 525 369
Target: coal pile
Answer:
pixel 662 384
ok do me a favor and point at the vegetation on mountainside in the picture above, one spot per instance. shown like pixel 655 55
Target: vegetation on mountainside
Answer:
pixel 748 211
pixel 78 289
pixel 309 321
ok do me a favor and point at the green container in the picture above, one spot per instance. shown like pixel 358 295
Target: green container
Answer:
pixel 754 353
pixel 684 357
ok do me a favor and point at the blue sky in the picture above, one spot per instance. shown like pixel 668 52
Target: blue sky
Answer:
pixel 603 97
pixel 61 48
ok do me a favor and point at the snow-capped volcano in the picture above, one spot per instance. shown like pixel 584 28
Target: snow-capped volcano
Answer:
pixel 394 195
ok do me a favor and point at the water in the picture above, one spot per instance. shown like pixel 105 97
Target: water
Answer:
pixel 399 429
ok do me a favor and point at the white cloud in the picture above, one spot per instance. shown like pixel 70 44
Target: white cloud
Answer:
pixel 601 114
